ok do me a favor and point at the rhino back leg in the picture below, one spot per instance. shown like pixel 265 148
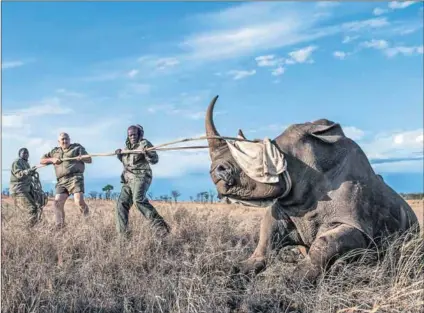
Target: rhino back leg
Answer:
pixel 326 248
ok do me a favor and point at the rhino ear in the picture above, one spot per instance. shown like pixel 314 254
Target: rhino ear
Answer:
pixel 240 134
pixel 328 133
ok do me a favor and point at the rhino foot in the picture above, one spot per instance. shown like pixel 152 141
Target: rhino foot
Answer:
pixel 251 266
pixel 305 273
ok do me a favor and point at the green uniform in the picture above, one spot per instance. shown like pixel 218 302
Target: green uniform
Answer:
pixel 20 188
pixel 69 174
pixel 136 179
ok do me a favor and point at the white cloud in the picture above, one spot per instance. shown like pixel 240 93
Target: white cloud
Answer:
pixel 401 4
pixel 326 4
pixel 396 152
pixel 166 63
pixel 133 73
pixel 302 55
pixel 69 93
pixel 11 64
pixel 278 71
pixel 364 24
pixel 160 107
pixel 140 88
pixel 103 77
pixel 254 27
pixel 398 139
pixel 392 51
pixel 353 133
pixel 379 11
pixel 275 128
pixel 268 60
pixel 394 145
pixel 19 131
pixel 240 74
pixel 188 161
pixel 404 50
pixel 134 89
pixel 156 64
pixel 348 39
pixel 12 121
pixel 376 44
pixel 408 28
pixel 19 118
pixel 340 55
pixel 411 166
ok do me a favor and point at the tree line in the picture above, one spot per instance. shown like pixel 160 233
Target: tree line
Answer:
pixel 201 197
pixel 107 193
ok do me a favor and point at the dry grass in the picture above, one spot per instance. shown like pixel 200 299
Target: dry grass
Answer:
pixel 86 268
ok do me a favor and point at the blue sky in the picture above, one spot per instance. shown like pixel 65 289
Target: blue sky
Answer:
pixel 92 69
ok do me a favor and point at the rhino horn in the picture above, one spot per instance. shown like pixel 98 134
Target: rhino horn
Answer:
pixel 240 134
pixel 214 144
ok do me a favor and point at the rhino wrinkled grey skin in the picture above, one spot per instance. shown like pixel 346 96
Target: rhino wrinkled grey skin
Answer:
pixel 336 204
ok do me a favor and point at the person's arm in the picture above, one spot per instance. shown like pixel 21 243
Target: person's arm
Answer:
pixel 84 152
pixel 19 171
pixel 118 154
pixel 151 156
pixel 47 159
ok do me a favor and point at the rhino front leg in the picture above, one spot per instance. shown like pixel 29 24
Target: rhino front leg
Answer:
pixel 326 248
pixel 271 231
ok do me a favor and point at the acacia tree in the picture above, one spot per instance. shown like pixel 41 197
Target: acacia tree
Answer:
pixel 107 189
pixel 175 194
pixel 205 196
pixel 211 195
pixel 166 198
pixel 114 195
pixel 93 194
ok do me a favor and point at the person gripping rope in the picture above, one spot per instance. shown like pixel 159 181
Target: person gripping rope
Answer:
pixel 69 174
pixel 21 188
pixel 136 179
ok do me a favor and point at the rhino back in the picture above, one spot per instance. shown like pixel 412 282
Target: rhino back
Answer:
pixel 334 183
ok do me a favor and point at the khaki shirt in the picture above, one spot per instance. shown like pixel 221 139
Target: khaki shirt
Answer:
pixel 138 164
pixel 19 182
pixel 67 168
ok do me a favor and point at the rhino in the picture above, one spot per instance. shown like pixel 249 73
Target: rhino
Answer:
pixel 333 202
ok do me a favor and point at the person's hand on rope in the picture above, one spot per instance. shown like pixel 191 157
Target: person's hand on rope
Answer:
pixel 29 171
pixel 55 161
pixel 118 151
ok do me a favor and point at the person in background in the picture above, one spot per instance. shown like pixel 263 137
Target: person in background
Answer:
pixel 20 188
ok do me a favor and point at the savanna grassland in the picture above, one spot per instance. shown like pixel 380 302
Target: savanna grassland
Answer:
pixel 87 268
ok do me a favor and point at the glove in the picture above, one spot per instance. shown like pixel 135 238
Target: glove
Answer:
pixel 118 151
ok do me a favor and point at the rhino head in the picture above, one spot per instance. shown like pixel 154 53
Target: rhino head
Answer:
pixel 226 174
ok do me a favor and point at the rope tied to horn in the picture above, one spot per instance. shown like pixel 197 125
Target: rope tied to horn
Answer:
pixel 161 147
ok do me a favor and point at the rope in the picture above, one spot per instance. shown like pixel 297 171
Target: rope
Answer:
pixel 155 148
pixel 40 197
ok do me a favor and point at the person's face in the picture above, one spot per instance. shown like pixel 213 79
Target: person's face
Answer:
pixel 24 154
pixel 133 135
pixel 64 141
